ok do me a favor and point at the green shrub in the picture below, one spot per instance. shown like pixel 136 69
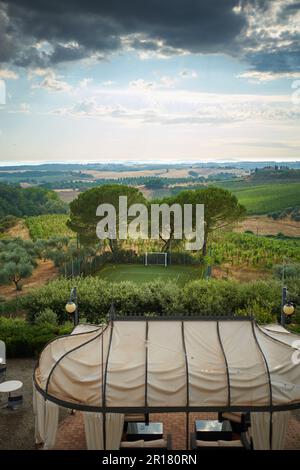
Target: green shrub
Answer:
pixel 46 316
pixel 7 222
pixel 294 328
pixel 25 340
pixel 203 297
pixel 211 297
pixel 261 314
pixel 289 270
pixel 10 307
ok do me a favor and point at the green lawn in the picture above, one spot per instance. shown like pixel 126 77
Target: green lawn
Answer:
pixel 141 274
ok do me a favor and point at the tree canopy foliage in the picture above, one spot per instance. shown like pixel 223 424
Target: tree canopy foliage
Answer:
pixel 83 219
pixel 21 202
pixel 221 208
pixel 17 261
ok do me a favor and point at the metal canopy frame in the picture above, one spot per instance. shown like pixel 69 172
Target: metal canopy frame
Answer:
pixel 163 409
pixel 159 409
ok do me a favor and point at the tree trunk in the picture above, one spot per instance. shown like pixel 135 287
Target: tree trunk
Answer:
pixel 17 285
pixel 204 247
pixel 111 245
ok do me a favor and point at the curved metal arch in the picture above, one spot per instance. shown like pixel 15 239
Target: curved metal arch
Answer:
pixel 68 352
pixel 65 336
pixel 187 383
pixel 282 343
pixel 164 409
pixel 146 363
pixel 103 409
pixel 226 364
pixel 253 324
pixel 104 384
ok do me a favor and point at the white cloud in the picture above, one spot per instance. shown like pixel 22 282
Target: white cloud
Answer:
pixel 8 74
pixel 141 84
pixel 53 83
pixel 167 81
pixel 38 72
pixel 186 73
pixel 164 81
pixel 149 48
pixel 24 108
pixel 108 83
pixel 255 76
pixel 181 107
pixel 85 82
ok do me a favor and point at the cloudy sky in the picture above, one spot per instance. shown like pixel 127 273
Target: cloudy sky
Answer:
pixel 149 80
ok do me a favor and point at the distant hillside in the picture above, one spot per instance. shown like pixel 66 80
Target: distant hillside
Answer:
pixel 266 198
pixel 21 202
pixel 276 174
pixel 130 166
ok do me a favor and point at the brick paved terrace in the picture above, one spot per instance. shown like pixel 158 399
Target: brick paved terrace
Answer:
pixel 71 430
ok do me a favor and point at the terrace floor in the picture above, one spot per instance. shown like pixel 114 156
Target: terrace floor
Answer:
pixel 17 428
pixel 71 430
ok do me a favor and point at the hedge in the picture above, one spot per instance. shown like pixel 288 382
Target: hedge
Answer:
pixel 203 297
pixel 25 340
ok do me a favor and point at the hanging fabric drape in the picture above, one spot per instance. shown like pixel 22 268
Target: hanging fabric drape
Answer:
pixel 260 430
pixel 144 365
pixel 46 416
pixel 114 428
pixel 39 416
pixel 94 427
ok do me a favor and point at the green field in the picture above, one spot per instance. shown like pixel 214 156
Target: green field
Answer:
pixel 258 197
pixel 140 274
pixel 47 226
pixel 264 198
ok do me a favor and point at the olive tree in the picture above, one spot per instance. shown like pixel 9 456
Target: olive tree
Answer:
pixel 17 261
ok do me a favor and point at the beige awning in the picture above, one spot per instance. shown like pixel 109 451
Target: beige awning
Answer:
pixel 169 365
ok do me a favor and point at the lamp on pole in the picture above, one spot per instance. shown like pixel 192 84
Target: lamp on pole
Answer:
pixel 72 307
pixel 287 308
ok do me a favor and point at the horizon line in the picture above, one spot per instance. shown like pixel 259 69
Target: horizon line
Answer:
pixel 140 162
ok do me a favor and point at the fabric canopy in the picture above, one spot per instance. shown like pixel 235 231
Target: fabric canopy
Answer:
pixel 156 364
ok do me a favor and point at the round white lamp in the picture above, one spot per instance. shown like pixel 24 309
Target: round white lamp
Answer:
pixel 70 308
pixel 288 309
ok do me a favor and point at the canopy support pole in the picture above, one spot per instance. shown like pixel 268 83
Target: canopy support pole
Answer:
pixel 187 385
pixel 187 431
pixel 270 385
pixel 146 370
pixel 104 385
pixel 226 364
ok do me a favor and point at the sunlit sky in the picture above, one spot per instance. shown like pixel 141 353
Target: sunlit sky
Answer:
pixel 172 80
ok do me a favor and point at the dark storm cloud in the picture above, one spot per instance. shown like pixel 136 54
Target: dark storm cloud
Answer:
pixel 291 8
pixel 76 29
pixel 97 26
pixel 276 62
pixel 278 50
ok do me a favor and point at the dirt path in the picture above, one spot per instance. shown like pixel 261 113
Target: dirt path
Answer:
pixel 239 273
pixel 45 271
pixel 262 225
pixel 19 230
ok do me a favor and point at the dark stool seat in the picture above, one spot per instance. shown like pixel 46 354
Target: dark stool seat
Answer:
pixel 15 402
